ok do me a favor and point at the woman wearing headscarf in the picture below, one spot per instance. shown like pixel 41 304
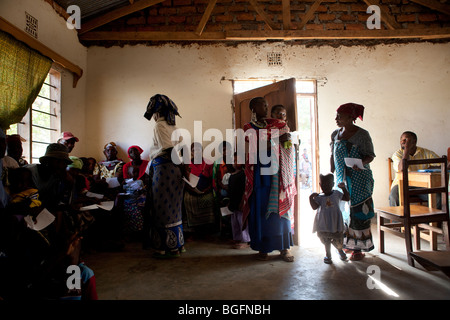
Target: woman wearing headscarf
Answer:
pixel 351 141
pixel 112 166
pixel 165 195
pixel 134 153
pixel 135 196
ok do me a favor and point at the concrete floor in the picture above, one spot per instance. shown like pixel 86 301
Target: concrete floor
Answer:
pixel 211 269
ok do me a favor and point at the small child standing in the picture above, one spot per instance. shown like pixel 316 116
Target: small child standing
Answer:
pixel 328 222
pixel 236 188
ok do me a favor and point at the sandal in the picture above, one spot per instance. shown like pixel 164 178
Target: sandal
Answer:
pixel 356 256
pixel 241 245
pixel 286 255
pixel 327 260
pixel 342 255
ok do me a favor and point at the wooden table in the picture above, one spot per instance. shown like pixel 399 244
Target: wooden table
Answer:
pixel 421 179
pixel 424 180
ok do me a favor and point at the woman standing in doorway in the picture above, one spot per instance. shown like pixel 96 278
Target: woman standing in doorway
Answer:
pixel 351 141
pixel 269 229
pixel 163 221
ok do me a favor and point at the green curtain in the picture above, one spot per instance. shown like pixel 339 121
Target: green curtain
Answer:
pixel 22 73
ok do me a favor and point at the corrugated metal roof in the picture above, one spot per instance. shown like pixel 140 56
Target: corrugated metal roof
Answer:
pixel 90 8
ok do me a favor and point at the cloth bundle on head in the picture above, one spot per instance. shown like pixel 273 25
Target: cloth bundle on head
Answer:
pixel 77 163
pixel 110 144
pixel 139 149
pixel 164 106
pixel 353 109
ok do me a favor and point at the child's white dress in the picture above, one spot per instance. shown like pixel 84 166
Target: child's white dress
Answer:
pixel 329 216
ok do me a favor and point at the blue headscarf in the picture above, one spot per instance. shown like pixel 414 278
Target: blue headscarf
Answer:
pixel 164 106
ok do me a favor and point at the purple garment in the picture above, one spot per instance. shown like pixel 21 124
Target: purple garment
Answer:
pixel 236 227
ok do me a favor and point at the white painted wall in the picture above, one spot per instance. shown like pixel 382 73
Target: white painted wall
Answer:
pixel 404 87
pixel 53 33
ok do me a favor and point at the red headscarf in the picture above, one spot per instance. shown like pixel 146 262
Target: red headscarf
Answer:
pixel 353 109
pixel 137 148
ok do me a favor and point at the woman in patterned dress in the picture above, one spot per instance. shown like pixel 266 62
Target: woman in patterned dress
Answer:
pixel 351 141
pixel 163 219
pixel 269 226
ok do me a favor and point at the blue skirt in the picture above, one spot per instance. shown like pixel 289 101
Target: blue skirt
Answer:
pixel 267 232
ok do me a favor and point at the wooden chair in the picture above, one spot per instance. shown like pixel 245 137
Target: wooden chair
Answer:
pixel 390 171
pixel 410 215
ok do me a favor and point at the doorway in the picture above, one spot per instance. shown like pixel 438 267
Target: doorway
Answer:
pixel 302 119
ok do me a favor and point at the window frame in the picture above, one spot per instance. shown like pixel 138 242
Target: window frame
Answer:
pixel 25 127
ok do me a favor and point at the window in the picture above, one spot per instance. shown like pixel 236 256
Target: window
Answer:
pixel 42 123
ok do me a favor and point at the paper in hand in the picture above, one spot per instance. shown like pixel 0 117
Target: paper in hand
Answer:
pixel 350 162
pixel 193 180
pixel 225 211
pixel 44 219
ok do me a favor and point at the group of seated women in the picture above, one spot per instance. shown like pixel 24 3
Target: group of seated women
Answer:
pixel 53 211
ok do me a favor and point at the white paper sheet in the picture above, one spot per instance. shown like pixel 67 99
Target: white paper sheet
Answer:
pixel 94 195
pixel 350 162
pixel 193 180
pixel 43 219
pixel 105 205
pixel 112 182
pixel 225 211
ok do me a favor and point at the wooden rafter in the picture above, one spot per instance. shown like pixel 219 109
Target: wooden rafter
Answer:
pixel 205 17
pixel 116 14
pixel 263 14
pixel 385 15
pixel 286 7
pixel 422 33
pixel 151 36
pixel 250 35
pixel 435 5
pixel 310 13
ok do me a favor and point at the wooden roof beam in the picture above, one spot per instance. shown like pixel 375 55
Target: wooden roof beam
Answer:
pixel 205 17
pixel 435 5
pixel 263 15
pixel 286 7
pixel 116 14
pixel 287 35
pixel 384 15
pixel 309 14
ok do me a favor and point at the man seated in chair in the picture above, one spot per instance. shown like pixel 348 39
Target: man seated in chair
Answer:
pixel 409 150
